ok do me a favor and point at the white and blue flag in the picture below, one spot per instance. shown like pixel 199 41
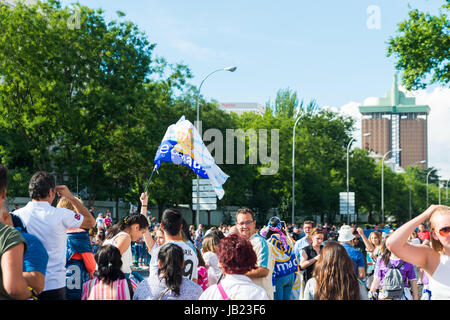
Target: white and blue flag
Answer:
pixel 182 144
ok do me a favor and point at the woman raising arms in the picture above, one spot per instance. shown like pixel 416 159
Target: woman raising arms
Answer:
pixel 435 260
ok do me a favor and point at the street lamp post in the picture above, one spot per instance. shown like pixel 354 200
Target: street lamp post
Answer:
pixel 446 193
pixel 293 169
pixel 231 69
pixel 382 184
pixel 428 174
pixel 348 175
pixel 409 172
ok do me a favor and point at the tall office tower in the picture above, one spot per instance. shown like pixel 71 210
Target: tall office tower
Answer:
pixel 396 122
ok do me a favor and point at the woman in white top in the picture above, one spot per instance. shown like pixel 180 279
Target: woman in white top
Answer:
pixel 236 258
pixel 435 260
pixel 130 228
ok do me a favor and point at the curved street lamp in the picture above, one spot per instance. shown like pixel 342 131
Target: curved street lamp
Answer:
pixel 382 183
pixel 428 174
pixel 348 175
pixel 409 172
pixel 446 193
pixel 293 168
pixel 230 69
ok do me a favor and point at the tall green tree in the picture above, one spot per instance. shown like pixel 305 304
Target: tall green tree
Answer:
pixel 65 90
pixel 421 47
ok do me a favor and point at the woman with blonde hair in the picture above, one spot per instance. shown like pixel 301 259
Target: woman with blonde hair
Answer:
pixel 376 240
pixel 435 261
pixel 334 277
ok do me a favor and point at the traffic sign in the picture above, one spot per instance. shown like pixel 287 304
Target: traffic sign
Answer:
pixel 200 182
pixel 347 203
pixel 205 200
pixel 207 197
pixel 208 206
pixel 203 188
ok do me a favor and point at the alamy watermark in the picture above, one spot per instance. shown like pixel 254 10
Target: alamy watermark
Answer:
pixel 74 21
pixel 258 147
pixel 374 20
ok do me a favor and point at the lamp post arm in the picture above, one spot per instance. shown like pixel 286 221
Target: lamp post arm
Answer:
pixel 293 168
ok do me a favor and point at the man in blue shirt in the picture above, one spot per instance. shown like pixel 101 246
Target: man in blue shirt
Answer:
pixel 346 238
pixel 304 241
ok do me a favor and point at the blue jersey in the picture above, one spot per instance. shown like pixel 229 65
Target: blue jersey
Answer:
pixel 36 256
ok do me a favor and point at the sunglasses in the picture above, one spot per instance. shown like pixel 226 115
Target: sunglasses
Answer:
pixel 246 223
pixel 444 231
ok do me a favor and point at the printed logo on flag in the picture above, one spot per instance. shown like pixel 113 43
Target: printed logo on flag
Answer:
pixel 183 145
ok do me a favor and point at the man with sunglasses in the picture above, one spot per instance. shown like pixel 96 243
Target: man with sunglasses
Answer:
pixel 262 275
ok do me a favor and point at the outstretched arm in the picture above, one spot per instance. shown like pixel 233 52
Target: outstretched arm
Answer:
pixel 419 255
pixel 148 239
pixel 367 243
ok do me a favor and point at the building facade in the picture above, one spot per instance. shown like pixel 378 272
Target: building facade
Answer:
pixel 395 122
pixel 241 108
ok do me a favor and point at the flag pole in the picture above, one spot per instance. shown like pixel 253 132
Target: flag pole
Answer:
pixel 146 188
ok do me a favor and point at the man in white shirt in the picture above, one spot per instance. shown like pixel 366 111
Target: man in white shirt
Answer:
pixel 171 224
pixel 49 224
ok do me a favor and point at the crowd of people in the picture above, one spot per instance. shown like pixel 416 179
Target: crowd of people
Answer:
pixel 64 252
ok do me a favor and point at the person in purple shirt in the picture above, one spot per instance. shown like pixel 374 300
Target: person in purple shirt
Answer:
pixel 407 271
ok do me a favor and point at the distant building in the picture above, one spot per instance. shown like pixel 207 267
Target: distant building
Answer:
pixel 241 108
pixel 396 122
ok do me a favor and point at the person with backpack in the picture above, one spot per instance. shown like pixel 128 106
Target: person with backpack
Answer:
pixel 391 278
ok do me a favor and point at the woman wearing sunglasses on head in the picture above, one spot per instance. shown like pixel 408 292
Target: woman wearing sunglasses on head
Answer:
pixel 435 261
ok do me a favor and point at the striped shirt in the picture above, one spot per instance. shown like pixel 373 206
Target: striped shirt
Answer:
pixel 96 289
pixel 265 260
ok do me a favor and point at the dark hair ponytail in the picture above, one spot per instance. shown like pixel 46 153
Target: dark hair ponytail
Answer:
pixel 171 270
pixel 126 222
pixel 109 262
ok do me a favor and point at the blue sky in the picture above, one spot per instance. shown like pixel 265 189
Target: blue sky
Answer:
pixel 322 49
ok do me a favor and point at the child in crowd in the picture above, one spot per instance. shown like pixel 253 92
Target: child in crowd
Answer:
pixel 209 249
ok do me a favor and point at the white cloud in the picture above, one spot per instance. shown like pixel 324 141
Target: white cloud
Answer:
pixel 438 124
pixel 438 128
pixel 180 36
pixel 200 53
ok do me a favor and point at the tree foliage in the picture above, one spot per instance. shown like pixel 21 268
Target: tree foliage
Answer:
pixel 421 48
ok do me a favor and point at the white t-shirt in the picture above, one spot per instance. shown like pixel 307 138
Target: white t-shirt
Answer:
pixel 190 259
pixel 50 224
pixel 214 272
pixel 100 222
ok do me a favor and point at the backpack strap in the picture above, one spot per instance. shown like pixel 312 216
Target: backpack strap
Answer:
pixel 163 293
pixel 222 292
pixel 130 288
pixel 390 266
